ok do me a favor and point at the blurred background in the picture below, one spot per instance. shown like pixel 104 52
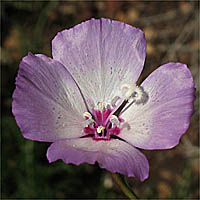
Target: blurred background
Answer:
pixel 172 33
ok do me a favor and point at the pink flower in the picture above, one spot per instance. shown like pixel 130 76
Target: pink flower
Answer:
pixel 85 100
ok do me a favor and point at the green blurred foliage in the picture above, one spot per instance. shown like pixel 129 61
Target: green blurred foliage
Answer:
pixel 172 35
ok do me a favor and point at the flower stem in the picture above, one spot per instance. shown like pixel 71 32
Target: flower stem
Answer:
pixel 123 187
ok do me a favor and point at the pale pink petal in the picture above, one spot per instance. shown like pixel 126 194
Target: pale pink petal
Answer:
pixel 47 104
pixel 114 155
pixel 165 117
pixel 101 54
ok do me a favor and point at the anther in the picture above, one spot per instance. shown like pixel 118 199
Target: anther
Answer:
pixel 114 119
pixel 101 106
pixel 87 114
pixel 88 121
pixel 100 128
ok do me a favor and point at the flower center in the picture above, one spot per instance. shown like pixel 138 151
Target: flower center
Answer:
pixel 104 123
pixel 103 126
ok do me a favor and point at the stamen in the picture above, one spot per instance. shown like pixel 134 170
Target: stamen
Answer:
pixel 108 107
pixel 114 119
pixel 101 125
pixel 89 120
pixel 101 106
pixel 87 114
pixel 116 111
pixel 100 128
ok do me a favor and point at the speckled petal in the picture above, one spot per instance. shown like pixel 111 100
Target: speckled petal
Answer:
pixel 101 54
pixel 114 155
pixel 165 117
pixel 47 104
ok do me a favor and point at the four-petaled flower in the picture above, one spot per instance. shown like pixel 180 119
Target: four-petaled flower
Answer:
pixel 86 102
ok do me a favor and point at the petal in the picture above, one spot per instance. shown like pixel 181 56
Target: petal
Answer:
pixel 114 155
pixel 101 54
pixel 165 117
pixel 46 102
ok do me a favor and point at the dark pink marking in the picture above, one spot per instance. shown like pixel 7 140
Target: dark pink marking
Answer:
pixel 101 119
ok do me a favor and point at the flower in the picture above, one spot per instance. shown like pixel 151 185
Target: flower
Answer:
pixel 86 102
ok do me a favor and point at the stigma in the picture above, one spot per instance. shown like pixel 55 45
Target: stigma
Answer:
pixel 132 91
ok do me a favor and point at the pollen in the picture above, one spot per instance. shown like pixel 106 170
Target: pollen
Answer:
pixel 101 106
pixel 100 128
pixel 87 114
pixel 88 118
pixel 114 119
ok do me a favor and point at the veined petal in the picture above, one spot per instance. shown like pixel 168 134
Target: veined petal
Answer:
pixel 47 104
pixel 101 54
pixel 114 155
pixel 165 117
